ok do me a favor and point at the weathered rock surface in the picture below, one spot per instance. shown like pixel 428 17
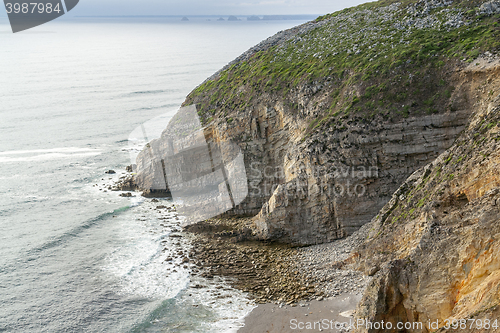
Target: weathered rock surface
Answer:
pixel 264 271
pixel 319 167
pixel 437 241
pixel 339 183
pixel 490 7
pixel 309 186
pixel 315 190
pixel 271 272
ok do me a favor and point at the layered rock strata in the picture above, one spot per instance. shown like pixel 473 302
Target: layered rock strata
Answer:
pixel 343 118
pixel 436 244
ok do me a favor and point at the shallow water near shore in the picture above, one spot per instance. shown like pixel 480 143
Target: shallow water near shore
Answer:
pixel 75 256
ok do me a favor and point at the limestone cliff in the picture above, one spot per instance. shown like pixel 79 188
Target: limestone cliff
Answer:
pixel 384 116
pixel 332 116
pixel 437 241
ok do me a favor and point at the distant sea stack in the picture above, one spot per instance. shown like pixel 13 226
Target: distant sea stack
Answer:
pixel 232 18
pixel 253 18
pixel 184 19
pixel 220 19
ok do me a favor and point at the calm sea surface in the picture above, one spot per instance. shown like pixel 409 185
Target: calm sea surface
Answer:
pixel 74 258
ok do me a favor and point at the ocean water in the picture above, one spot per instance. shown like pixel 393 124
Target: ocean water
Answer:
pixel 75 257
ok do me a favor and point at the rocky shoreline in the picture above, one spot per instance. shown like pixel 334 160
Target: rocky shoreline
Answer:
pixel 322 265
pixel 269 272
pixel 272 272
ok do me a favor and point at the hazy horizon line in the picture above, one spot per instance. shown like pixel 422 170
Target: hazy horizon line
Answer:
pixel 222 15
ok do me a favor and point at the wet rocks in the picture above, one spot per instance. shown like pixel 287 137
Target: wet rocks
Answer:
pixel 261 270
pixel 271 272
pixel 125 183
pixel 230 229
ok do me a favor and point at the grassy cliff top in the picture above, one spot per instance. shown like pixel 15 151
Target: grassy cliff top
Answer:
pixel 395 54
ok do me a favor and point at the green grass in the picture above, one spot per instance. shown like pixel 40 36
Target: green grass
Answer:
pixel 396 70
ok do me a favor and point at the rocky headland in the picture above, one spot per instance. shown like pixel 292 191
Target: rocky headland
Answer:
pixel 370 136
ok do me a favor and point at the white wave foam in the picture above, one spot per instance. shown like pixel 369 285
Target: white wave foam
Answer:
pixel 46 157
pixel 139 263
pixel 65 150
pixel 15 176
pixel 230 306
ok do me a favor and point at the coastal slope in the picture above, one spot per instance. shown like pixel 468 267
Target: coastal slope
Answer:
pixel 383 117
pixel 332 116
pixel 436 243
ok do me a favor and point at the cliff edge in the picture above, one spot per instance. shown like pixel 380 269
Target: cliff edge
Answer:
pixel 436 243
pixel 333 116
pixel 384 116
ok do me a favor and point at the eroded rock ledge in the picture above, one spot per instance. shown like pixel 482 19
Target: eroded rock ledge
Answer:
pixel 270 272
pixel 325 151
pixel 387 116
pixel 437 241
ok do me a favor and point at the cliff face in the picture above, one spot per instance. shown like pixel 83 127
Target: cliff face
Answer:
pixel 332 116
pixel 386 117
pixel 437 241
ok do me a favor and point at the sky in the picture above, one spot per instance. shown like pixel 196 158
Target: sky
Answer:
pixel 204 7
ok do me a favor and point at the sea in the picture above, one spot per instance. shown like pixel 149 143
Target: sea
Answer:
pixel 75 256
